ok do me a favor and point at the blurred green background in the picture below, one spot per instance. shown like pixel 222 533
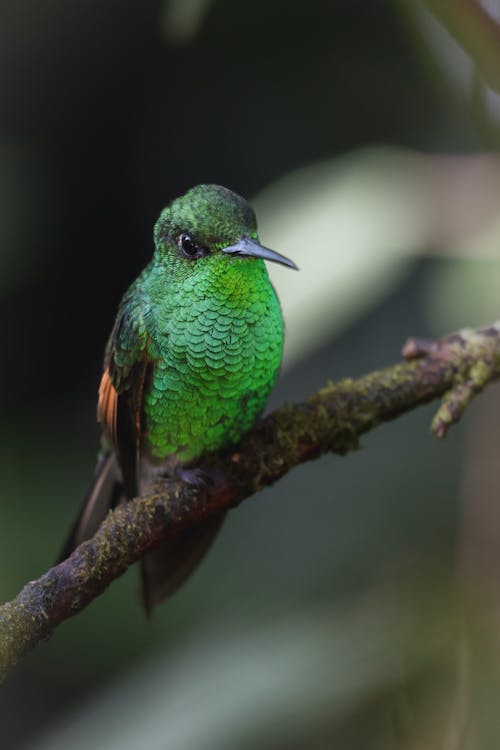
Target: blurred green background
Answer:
pixel 354 604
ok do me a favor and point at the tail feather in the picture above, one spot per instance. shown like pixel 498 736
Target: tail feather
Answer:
pixel 166 568
pixel 163 570
pixel 105 492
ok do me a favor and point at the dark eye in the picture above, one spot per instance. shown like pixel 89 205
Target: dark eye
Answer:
pixel 189 247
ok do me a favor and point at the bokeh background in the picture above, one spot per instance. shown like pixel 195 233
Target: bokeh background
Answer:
pixel 355 604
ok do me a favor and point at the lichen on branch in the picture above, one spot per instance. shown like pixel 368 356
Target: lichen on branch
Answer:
pixel 454 368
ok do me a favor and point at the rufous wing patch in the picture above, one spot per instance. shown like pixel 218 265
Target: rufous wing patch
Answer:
pixel 107 405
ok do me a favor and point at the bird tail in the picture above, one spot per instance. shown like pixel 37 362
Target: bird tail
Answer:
pixel 165 569
pixel 105 492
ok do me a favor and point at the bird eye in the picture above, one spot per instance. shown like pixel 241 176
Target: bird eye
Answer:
pixel 189 248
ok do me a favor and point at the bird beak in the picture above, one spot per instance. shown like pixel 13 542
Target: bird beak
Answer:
pixel 251 249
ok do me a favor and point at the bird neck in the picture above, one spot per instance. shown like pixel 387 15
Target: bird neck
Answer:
pixel 231 281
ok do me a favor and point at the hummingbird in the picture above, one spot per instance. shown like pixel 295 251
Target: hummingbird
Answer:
pixel 192 357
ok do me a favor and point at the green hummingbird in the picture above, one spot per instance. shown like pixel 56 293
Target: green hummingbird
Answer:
pixel 191 359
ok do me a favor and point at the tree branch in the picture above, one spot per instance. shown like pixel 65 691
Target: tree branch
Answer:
pixel 332 420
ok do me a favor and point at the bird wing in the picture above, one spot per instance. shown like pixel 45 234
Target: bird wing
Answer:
pixel 127 366
pixel 119 410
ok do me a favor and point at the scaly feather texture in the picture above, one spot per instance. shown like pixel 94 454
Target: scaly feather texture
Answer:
pixel 194 352
pixel 216 344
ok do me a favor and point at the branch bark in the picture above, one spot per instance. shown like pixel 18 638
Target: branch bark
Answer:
pixel 454 368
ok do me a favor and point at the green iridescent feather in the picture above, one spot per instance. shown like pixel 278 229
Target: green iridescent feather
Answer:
pixel 212 330
pixel 192 357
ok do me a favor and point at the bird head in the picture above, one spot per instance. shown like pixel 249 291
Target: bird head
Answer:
pixel 210 222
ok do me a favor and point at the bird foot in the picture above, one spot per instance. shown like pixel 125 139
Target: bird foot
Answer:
pixel 196 477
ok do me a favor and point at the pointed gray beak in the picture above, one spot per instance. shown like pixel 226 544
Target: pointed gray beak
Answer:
pixel 251 249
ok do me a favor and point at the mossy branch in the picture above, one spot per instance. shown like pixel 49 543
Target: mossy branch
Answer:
pixel 454 368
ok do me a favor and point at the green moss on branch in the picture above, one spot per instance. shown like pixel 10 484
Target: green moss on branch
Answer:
pixel 332 420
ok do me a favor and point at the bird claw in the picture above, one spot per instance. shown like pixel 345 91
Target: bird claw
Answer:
pixel 195 477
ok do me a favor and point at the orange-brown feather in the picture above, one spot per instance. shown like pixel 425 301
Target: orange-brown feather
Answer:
pixel 107 405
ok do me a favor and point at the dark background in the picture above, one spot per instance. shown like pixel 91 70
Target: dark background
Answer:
pixel 106 115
